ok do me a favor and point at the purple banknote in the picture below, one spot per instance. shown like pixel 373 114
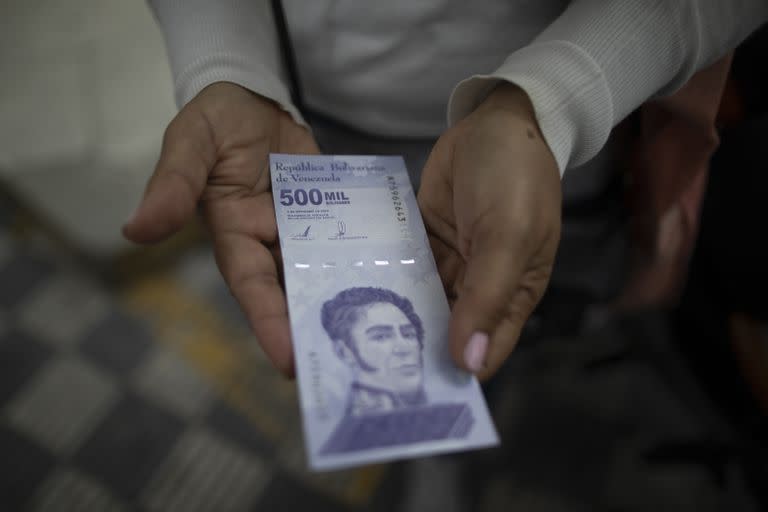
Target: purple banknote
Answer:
pixel 369 317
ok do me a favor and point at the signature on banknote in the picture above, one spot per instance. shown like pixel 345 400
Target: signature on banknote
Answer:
pixel 304 235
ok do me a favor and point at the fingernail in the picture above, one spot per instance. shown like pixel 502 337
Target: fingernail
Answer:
pixel 474 352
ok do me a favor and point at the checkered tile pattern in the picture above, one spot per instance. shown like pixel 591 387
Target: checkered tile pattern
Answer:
pixel 168 381
pixel 62 406
pixel 68 489
pixel 204 472
pixel 62 310
pixel 112 399
pixel 152 396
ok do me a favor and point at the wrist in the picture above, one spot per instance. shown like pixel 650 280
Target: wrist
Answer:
pixel 509 109
pixel 510 100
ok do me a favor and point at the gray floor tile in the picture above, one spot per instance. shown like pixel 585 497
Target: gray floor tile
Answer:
pixel 204 472
pixel 20 277
pixel 132 440
pixel 237 429
pixel 63 309
pixel 20 358
pixel 168 380
pixel 25 465
pixel 62 405
pixel 67 490
pixel 118 343
pixel 286 493
pixel 434 484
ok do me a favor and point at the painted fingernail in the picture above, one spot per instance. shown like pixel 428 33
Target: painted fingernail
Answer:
pixel 474 352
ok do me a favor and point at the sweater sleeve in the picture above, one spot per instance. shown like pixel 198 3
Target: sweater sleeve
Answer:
pixel 602 59
pixel 223 41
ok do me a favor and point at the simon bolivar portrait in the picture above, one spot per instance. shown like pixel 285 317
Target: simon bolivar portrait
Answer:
pixel 380 338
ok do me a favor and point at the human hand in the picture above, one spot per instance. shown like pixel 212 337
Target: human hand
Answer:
pixel 491 200
pixel 216 153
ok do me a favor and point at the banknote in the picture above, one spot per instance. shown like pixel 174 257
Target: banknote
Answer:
pixel 369 317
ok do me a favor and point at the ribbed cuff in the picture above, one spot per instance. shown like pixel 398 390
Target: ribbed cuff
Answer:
pixel 238 70
pixel 568 90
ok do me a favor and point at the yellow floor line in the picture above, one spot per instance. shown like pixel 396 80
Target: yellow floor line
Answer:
pixel 236 369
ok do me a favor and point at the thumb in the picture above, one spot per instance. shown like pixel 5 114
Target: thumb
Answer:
pixel 170 199
pixel 483 321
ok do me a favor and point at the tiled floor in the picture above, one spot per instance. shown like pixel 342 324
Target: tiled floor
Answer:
pixel 111 397
pixel 142 390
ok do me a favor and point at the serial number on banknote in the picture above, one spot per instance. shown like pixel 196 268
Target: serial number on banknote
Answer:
pixel 397 202
pixel 400 209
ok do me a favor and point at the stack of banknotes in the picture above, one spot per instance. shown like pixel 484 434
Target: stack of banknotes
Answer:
pixel 369 317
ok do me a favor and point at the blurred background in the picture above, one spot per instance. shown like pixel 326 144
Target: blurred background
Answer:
pixel 129 380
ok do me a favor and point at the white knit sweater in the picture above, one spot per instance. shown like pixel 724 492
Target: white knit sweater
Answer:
pixel 392 67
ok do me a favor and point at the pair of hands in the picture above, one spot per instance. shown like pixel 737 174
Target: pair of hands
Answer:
pixel 490 199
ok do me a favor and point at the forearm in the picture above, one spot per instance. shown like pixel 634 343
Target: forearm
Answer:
pixel 223 41
pixel 601 59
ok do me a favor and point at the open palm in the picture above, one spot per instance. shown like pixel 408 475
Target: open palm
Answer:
pixel 216 153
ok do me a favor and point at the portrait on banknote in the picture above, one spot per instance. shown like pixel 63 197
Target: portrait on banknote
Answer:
pixel 380 337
